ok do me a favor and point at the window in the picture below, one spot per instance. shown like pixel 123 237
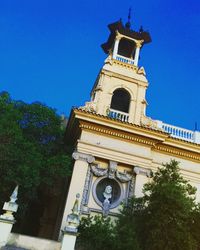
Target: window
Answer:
pixel 107 188
pixel 126 48
pixel 120 100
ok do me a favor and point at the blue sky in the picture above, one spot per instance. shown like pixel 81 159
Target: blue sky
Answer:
pixel 50 52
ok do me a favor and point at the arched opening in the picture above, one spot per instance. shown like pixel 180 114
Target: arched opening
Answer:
pixel 120 100
pixel 126 48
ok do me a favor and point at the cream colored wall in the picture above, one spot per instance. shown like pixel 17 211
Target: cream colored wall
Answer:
pixel 114 149
pixel 135 154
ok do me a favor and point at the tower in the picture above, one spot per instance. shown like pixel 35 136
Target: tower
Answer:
pixel 119 91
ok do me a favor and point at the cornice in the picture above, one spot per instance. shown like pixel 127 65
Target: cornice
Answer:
pixel 159 141
pixel 119 125
pixel 117 134
pixel 175 151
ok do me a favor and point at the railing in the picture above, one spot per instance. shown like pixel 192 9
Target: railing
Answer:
pixel 177 132
pixel 115 114
pixel 180 133
pixel 124 59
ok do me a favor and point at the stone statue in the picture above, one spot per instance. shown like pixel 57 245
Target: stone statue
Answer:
pixel 107 195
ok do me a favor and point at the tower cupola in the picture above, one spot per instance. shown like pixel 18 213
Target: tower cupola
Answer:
pixel 124 44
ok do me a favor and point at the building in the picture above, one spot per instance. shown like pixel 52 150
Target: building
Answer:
pixel 116 144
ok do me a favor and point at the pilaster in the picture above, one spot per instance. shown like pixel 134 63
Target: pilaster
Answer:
pixel 142 176
pixel 77 181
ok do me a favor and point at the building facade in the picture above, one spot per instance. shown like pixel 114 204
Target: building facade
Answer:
pixel 116 145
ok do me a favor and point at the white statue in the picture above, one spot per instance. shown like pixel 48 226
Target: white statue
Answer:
pixel 107 192
pixel 107 195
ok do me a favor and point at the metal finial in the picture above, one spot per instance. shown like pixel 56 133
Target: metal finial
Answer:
pixel 128 24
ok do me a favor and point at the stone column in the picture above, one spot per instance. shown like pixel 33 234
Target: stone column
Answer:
pixel 142 176
pixel 137 53
pixel 116 46
pixel 7 219
pixel 77 181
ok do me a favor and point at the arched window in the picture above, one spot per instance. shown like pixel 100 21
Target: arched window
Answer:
pixel 126 48
pixel 120 100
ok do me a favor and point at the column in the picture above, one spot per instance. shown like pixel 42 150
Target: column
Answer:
pixel 137 53
pixel 142 176
pixel 77 181
pixel 116 46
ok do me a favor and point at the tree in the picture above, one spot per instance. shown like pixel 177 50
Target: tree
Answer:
pixel 32 152
pixel 165 217
pixel 128 225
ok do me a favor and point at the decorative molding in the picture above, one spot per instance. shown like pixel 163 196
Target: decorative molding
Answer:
pixel 118 134
pixel 123 177
pixel 142 171
pixel 112 168
pixel 111 172
pixel 83 157
pixel 179 148
pixel 98 171
pixel 90 106
pixel 148 122
pixel 141 71
pixel 178 152
pixel 131 187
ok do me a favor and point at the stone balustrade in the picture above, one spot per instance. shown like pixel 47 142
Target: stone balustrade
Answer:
pixel 180 133
pixel 115 114
pixel 124 59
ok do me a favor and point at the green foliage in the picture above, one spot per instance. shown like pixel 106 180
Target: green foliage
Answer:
pixel 31 148
pixel 96 233
pixel 165 218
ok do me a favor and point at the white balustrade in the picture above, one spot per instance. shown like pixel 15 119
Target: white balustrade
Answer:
pixel 115 114
pixel 124 59
pixel 180 133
